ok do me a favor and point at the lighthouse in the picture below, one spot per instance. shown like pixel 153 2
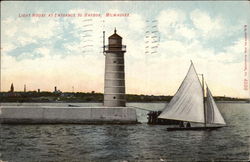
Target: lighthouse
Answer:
pixel 114 84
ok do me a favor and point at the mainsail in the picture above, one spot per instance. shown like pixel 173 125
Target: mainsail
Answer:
pixel 187 104
pixel 213 115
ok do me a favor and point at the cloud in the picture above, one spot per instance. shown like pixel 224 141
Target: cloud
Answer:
pixel 11 31
pixel 170 17
pixel 207 26
pixel 233 53
pixel 43 29
pixel 6 47
pixel 45 52
pixel 23 36
pixel 136 22
pixel 22 41
pixel 186 32
pixel 173 24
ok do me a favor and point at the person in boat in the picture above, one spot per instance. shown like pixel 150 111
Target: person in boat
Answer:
pixel 150 117
pixel 181 124
pixel 188 125
pixel 158 114
pixel 154 117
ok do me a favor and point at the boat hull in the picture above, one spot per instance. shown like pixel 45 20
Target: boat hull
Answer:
pixel 194 128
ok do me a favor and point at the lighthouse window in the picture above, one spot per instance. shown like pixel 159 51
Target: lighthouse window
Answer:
pixel 114 97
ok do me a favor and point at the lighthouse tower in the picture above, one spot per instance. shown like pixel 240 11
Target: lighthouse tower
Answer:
pixel 114 88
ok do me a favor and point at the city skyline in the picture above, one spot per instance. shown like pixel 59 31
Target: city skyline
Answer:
pixel 43 52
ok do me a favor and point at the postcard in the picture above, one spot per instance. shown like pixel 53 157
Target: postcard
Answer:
pixel 125 81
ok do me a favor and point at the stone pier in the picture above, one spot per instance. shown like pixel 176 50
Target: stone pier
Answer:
pixel 67 115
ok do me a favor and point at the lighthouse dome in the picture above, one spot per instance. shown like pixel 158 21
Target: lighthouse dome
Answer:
pixel 115 40
pixel 115 36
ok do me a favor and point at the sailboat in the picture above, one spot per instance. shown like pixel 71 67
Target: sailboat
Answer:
pixel 189 105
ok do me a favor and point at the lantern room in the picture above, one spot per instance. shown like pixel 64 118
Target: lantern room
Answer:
pixel 115 43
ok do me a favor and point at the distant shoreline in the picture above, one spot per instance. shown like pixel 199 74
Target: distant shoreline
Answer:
pixel 93 97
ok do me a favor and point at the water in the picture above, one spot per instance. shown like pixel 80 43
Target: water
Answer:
pixel 129 142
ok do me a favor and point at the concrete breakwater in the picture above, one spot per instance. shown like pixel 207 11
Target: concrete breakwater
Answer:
pixel 67 115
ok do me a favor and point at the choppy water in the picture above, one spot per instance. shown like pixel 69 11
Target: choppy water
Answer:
pixel 129 142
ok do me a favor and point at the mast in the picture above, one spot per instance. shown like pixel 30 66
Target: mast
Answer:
pixel 204 107
pixel 104 43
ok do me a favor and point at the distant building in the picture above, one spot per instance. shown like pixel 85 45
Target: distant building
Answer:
pixel 11 92
pixel 24 89
pixel 57 91
pixel 12 88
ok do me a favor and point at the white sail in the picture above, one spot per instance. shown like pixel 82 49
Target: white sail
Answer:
pixel 213 115
pixel 187 104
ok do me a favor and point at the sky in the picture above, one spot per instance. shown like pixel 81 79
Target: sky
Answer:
pixel 161 39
